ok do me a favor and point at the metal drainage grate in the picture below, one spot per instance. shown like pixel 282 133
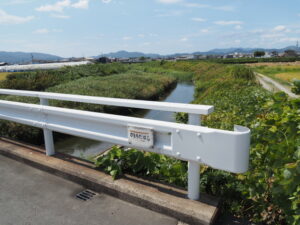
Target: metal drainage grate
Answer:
pixel 85 195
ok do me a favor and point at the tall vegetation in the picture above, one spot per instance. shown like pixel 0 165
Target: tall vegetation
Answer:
pixel 132 85
pixel 43 79
pixel 270 191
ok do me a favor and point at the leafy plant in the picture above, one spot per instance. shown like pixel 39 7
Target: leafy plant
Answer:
pixel 119 161
pixel 296 87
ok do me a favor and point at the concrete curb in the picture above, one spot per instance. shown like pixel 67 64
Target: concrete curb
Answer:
pixel 162 198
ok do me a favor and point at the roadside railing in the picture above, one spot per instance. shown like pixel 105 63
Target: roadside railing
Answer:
pixel 220 149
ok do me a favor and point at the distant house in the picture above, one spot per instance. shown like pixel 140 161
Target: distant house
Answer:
pixel 3 64
pixel 229 56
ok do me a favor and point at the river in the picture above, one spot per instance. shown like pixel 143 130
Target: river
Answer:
pixel 81 147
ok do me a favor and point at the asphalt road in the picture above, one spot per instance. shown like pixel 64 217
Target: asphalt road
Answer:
pixel 29 196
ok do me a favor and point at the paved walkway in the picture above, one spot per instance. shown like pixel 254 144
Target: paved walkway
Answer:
pixel 270 84
pixel 29 196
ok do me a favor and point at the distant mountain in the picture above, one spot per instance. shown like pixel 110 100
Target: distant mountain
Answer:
pixel 22 57
pixel 125 54
pixel 225 51
pixel 244 50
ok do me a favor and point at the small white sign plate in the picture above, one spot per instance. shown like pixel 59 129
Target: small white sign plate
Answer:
pixel 140 137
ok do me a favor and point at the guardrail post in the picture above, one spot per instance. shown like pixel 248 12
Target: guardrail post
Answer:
pixel 48 135
pixel 193 167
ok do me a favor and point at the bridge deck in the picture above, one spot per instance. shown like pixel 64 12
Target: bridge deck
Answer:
pixel 155 196
pixel 32 196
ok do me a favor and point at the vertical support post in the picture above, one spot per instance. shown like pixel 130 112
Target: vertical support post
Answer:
pixel 48 135
pixel 194 167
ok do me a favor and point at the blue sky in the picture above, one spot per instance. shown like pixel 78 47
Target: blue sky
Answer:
pixel 91 27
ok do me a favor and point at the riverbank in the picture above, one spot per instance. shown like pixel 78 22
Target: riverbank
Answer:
pixel 142 85
pixel 268 192
pixel 85 148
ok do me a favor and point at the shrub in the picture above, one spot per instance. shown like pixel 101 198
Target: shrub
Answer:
pixel 296 87
pixel 242 72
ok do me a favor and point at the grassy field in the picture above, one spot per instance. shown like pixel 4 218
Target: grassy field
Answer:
pixel 3 75
pixel 284 73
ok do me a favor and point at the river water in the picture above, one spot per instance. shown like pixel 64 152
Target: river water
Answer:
pixel 81 147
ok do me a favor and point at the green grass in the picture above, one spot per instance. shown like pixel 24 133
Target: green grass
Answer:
pixel 131 85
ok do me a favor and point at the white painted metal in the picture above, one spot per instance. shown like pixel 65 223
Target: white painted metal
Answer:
pixel 48 134
pixel 163 106
pixel 194 167
pixel 193 180
pixel 225 150
pixel 220 149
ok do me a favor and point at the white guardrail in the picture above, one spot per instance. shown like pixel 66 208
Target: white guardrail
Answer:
pixel 220 149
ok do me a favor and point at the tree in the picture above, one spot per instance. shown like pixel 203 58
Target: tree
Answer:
pixel 290 53
pixel 259 53
pixel 274 53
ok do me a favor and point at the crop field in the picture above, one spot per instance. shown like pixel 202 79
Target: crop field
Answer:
pixel 289 77
pixel 283 73
pixel 3 75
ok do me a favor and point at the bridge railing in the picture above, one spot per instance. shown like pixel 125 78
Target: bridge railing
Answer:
pixel 220 149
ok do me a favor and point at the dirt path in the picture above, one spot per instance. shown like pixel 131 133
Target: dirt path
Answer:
pixel 272 85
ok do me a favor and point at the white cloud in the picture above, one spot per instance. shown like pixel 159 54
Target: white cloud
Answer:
pixel 16 2
pixel 81 4
pixel 230 22
pixel 288 39
pixel 60 16
pixel 146 44
pixel 198 19
pixel 126 38
pixel 238 27
pixel 204 30
pixel 169 1
pixel 62 4
pixel 237 41
pixel 6 18
pixel 56 7
pixel 227 8
pixel 141 35
pixel 168 13
pixel 46 31
pixel 279 28
pixel 196 5
pixel 41 31
pixel 184 39
pixel 271 35
pixel 106 1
